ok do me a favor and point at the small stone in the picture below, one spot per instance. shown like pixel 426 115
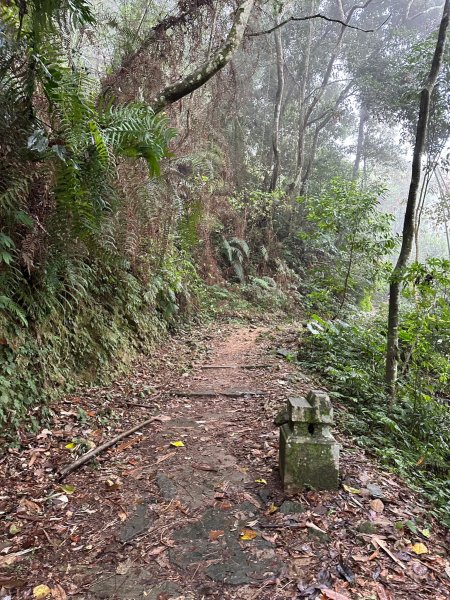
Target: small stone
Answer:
pixel 316 533
pixel 375 491
pixel 138 523
pixel 283 352
pixel 289 507
pixel 264 495
pixel 367 527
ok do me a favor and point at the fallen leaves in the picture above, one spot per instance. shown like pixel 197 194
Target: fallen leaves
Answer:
pixel 382 593
pixel 58 593
pixel 204 467
pixel 332 595
pixel 14 529
pixel 379 542
pixel 11 581
pixel 390 510
pixel 41 591
pixel 377 505
pixel 156 551
pixel 248 534
pixel 419 548
pixel 272 509
pixel 10 559
pixel 165 457
pixel 351 490
pixel 123 567
pixel 128 444
pixel 114 484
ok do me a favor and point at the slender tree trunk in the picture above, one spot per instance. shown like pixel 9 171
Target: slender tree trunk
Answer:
pixel 429 171
pixel 408 226
pixel 447 235
pixel 238 154
pixel 302 114
pixel 266 146
pixel 277 110
pixel 305 120
pixel 444 197
pixel 363 117
pixel 322 122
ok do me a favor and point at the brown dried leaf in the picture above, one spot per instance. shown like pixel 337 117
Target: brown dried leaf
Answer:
pixel 215 534
pixel 332 595
pixel 156 551
pixel 58 592
pixel 382 593
pixel 377 505
pixel 165 457
pixel 127 444
pixel 12 581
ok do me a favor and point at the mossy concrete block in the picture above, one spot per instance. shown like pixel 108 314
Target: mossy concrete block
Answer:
pixel 309 454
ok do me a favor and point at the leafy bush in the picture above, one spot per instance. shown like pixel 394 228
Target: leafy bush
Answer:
pixel 347 241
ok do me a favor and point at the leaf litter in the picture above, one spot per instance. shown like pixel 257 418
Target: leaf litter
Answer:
pixel 364 541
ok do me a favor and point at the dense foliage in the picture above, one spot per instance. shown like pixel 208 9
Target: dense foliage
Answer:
pixel 79 292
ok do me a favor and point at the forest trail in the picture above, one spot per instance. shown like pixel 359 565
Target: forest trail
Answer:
pixel 206 519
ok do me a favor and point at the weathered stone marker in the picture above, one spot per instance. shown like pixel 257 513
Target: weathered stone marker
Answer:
pixel 309 454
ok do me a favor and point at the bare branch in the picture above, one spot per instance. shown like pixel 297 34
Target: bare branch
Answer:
pixel 309 18
pixel 420 13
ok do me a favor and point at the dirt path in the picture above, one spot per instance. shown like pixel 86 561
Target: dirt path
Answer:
pixel 206 519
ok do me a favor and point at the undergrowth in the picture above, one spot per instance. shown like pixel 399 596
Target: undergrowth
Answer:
pixel 412 438
pixel 116 318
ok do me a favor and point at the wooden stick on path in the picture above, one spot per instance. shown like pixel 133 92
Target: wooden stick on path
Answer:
pixel 89 455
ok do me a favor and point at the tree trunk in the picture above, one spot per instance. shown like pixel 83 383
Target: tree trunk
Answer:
pixel 408 226
pixel 293 187
pixel 213 65
pixel 444 198
pixel 363 117
pixel 447 235
pixel 305 120
pixel 277 111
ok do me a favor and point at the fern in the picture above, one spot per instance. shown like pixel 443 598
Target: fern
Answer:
pixel 236 251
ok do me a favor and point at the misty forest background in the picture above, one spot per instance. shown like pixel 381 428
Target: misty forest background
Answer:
pixel 166 161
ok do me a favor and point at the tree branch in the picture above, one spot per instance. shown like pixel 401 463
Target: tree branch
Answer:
pixel 200 76
pixel 410 17
pixel 169 22
pixel 309 18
